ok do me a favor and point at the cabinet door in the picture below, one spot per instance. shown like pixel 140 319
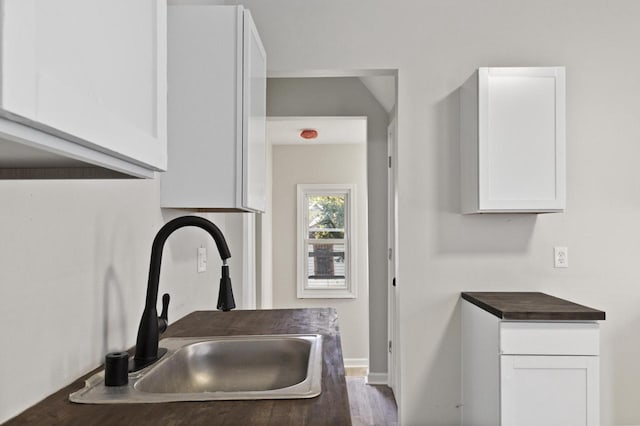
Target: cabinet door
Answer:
pixel 254 118
pixel 90 71
pixel 549 390
pixel 521 139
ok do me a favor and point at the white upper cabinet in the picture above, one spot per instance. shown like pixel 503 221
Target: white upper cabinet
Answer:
pixel 217 110
pixel 254 116
pixel 83 82
pixel 513 140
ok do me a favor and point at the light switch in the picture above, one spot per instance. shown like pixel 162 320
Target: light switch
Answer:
pixel 202 259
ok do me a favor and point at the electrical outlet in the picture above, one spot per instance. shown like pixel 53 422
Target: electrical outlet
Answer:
pixel 561 257
pixel 202 259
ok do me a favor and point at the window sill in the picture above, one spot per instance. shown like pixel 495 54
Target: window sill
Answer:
pixel 324 293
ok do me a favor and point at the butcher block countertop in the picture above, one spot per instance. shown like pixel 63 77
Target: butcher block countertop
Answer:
pixel 331 407
pixel 532 306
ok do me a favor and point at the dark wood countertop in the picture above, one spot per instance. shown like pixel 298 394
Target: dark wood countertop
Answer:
pixel 531 306
pixel 331 407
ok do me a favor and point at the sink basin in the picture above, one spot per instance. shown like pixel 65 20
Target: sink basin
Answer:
pixel 230 366
pixel 220 368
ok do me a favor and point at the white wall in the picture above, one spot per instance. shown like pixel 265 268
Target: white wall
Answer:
pixel 74 259
pixel 321 164
pixel 436 45
pixel 349 97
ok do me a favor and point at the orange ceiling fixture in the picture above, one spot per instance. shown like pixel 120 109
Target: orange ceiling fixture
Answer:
pixel 309 134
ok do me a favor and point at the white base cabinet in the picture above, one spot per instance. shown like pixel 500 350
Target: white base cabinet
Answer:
pixel 83 83
pixel 525 373
pixel 217 110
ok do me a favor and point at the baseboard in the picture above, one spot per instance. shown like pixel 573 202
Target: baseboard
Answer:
pixel 377 378
pixel 356 362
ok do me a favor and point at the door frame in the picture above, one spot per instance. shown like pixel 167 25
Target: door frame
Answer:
pixel 392 302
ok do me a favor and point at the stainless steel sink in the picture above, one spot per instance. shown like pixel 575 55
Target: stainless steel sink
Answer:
pixel 220 368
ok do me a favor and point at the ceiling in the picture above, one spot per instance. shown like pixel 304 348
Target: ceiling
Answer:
pixel 331 130
pixel 383 88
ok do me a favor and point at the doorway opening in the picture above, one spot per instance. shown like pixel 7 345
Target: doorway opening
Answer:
pixel 367 321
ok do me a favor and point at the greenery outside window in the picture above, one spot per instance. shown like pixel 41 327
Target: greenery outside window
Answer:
pixel 326 241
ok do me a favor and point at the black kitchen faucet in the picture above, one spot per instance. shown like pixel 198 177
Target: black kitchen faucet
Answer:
pixel 151 325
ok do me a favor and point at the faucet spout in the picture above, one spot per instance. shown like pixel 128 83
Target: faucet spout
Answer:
pixel 225 295
pixel 148 331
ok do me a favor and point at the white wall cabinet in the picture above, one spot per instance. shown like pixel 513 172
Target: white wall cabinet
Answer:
pixel 217 110
pixel 83 83
pixel 525 373
pixel 513 140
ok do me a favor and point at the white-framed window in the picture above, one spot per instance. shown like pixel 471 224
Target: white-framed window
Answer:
pixel 326 241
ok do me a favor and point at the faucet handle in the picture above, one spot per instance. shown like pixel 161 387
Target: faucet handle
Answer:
pixel 163 320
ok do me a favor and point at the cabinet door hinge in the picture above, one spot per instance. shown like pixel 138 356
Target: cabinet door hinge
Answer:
pixel 389 346
pixel 390 253
pixel 389 161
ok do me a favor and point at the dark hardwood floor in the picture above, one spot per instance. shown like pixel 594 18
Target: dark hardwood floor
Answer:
pixel 371 404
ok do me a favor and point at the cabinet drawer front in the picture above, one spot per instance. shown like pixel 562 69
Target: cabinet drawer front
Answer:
pixel 549 338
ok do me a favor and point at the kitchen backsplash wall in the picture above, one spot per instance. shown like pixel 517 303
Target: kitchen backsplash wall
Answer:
pixel 74 259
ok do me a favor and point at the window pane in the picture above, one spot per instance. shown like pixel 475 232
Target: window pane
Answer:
pixel 324 233
pixel 326 265
pixel 326 216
